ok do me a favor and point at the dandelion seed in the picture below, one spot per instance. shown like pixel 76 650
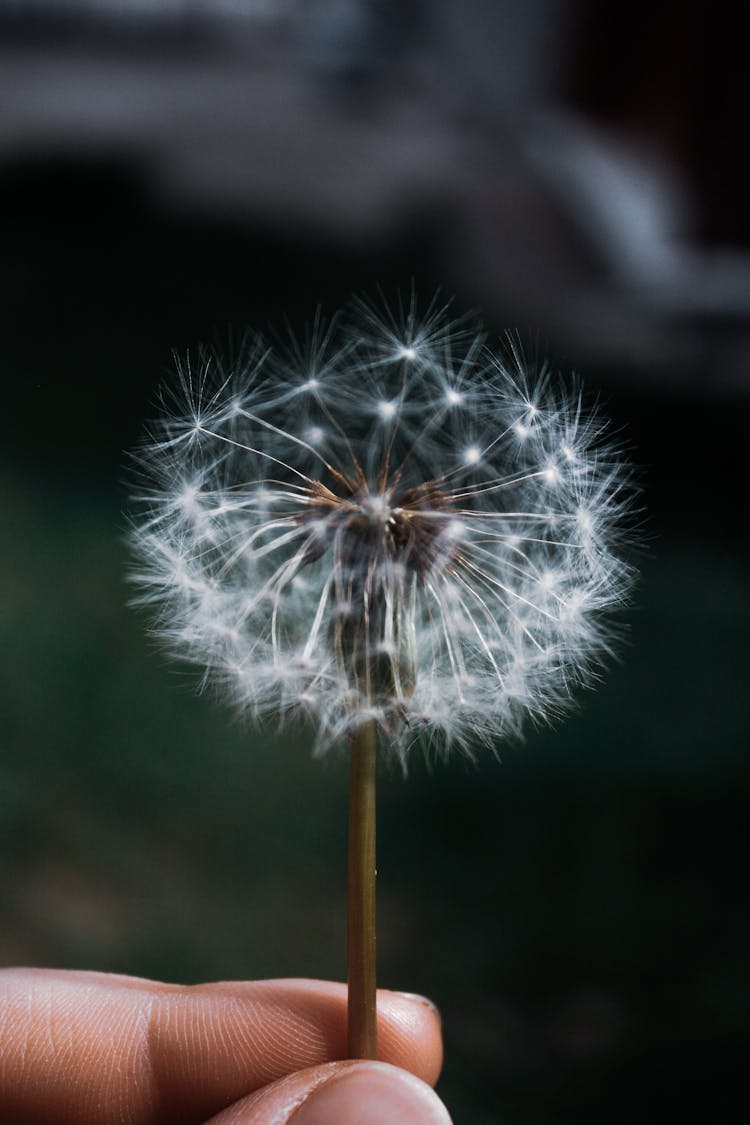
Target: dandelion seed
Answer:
pixel 407 353
pixel 387 409
pixel 567 452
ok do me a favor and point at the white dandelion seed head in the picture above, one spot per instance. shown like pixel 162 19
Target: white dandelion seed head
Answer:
pixel 387 410
pixel 407 352
pixel 450 572
pixel 551 474
pixel 568 452
pixel 455 529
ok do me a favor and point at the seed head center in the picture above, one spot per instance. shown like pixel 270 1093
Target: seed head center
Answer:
pixel 377 509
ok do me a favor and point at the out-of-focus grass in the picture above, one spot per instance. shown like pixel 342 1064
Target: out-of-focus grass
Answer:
pixel 577 911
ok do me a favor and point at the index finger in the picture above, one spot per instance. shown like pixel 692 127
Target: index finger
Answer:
pixel 92 1048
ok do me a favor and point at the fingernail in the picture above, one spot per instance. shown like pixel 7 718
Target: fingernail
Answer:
pixel 372 1093
pixel 417 998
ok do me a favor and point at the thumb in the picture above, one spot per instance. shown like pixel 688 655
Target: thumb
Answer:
pixel 341 1093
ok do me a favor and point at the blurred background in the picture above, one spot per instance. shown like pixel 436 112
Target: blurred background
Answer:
pixel 175 170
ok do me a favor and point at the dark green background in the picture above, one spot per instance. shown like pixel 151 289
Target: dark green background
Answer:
pixel 578 911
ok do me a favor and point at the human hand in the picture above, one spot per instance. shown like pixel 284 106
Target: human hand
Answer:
pixel 82 1048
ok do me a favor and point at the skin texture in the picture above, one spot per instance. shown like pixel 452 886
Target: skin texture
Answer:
pixel 98 1049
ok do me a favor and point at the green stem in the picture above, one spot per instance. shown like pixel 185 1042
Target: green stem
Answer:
pixel 363 1042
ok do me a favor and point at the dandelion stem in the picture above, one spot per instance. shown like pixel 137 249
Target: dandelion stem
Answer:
pixel 361 918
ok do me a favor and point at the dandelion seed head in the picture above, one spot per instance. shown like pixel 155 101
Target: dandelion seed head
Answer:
pixel 376 508
pixel 407 352
pixel 449 573
pixel 568 453
pixel 455 529
pixel 548 579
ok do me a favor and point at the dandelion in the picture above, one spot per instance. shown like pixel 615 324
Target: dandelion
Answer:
pixel 393 531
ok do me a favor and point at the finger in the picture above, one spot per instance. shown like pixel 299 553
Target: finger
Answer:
pixel 340 1093
pixel 92 1048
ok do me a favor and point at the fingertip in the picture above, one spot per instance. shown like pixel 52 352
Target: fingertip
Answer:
pixel 371 1093
pixel 365 1092
pixel 410 1034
